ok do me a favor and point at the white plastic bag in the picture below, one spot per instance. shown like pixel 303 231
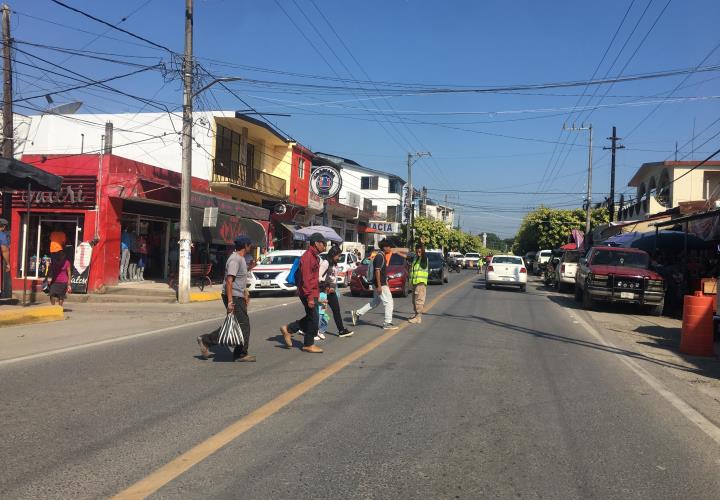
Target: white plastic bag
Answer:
pixel 230 332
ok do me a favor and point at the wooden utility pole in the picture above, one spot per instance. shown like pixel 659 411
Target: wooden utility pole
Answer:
pixel 614 147
pixel 7 143
pixel 589 128
pixel 185 233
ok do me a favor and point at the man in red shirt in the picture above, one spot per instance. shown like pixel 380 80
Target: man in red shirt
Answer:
pixel 307 279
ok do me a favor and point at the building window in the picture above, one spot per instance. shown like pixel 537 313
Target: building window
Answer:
pixel 394 213
pixel 394 187
pixel 369 182
pixel 301 168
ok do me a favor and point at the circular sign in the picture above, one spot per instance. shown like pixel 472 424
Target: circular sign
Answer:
pixel 325 182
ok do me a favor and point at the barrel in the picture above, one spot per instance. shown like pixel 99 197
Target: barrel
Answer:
pixel 697 326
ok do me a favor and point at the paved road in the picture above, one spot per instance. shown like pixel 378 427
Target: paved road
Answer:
pixel 497 394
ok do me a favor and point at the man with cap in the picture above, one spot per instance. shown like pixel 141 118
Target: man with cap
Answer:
pixel 307 278
pixel 6 290
pixel 236 298
pixel 381 290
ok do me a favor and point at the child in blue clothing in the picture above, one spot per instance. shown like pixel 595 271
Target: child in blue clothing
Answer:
pixel 324 316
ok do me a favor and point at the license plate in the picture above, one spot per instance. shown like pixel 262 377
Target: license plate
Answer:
pixel 505 278
pixel 627 295
pixel 264 283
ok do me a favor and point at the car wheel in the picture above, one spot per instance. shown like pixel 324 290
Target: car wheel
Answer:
pixel 404 292
pixel 488 286
pixel 578 293
pixel 656 310
pixel 523 288
pixel 354 293
pixel 587 301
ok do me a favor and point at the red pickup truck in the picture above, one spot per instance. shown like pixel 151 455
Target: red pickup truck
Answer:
pixel 615 274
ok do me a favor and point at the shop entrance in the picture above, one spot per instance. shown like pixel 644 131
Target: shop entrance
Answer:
pixel 35 248
pixel 149 244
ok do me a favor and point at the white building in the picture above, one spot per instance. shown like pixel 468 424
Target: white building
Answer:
pixel 370 190
pixel 434 210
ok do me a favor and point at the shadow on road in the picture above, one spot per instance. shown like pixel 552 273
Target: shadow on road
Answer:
pixel 701 367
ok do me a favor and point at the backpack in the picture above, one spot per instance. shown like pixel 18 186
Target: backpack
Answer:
pixel 370 276
pixel 292 275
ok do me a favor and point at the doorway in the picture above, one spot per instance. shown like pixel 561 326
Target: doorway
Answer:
pixel 35 248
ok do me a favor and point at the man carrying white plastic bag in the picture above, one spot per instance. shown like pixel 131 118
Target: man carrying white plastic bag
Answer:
pixel 235 286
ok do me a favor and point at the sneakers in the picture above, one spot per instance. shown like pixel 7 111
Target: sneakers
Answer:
pixel 286 336
pixel 355 316
pixel 389 326
pixel 345 333
pixel 204 352
pixel 320 336
pixel 312 349
pixel 415 319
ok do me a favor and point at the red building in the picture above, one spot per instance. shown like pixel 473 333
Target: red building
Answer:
pixel 101 196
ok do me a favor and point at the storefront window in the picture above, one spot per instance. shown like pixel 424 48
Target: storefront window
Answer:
pixel 34 248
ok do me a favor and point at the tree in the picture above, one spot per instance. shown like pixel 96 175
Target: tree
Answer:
pixel 548 228
pixel 436 235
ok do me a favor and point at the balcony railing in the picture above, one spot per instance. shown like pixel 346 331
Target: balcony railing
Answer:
pixel 248 177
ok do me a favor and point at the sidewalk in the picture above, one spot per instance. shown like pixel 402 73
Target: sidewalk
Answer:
pixel 13 312
pixel 87 323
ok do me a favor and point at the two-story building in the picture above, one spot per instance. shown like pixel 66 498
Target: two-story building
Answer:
pixel 377 193
pixel 661 186
pixel 437 211
pixel 127 167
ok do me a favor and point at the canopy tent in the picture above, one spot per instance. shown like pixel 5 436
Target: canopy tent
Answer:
pixel 327 232
pixel 569 246
pixel 624 239
pixel 15 174
pixel 674 241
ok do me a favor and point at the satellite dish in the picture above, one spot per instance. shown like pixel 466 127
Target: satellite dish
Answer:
pixel 280 209
pixel 69 108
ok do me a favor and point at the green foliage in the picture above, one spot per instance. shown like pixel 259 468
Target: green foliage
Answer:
pixel 548 228
pixel 435 234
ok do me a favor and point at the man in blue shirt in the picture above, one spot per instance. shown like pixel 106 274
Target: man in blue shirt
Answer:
pixel 6 290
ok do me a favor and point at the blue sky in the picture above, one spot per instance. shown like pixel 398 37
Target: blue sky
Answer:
pixel 508 142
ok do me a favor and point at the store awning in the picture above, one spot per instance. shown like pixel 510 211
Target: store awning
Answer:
pixel 366 229
pixel 15 174
pixel 293 228
pixel 228 228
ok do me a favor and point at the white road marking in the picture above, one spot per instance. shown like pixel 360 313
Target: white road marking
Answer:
pixel 707 426
pixel 115 340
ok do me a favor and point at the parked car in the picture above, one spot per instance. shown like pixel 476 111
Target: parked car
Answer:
pixel 615 274
pixel 471 260
pixel 506 270
pixel 346 265
pixel 566 270
pixel 438 268
pixel 530 261
pixel 541 261
pixel 398 273
pixel 270 275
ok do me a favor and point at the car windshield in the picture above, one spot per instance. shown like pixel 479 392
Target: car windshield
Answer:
pixel 571 257
pixel 507 260
pixel 545 253
pixel 434 258
pixel 472 256
pixel 620 259
pixel 276 260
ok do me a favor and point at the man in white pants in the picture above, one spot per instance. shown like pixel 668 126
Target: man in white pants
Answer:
pixel 381 290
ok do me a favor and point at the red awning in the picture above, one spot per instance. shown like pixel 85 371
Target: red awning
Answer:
pixel 366 229
pixel 569 246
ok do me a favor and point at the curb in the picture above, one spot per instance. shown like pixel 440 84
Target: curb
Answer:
pixel 35 314
pixel 204 296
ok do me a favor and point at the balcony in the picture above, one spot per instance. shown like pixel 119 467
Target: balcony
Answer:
pixel 243 176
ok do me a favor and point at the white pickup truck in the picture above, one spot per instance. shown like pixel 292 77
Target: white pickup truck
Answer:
pixel 471 260
pixel 566 270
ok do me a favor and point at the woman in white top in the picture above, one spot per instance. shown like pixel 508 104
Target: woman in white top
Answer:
pixel 328 284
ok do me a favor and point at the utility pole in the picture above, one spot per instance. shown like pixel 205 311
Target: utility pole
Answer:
pixel 589 175
pixel 411 158
pixel 8 134
pixel 185 233
pixel 614 147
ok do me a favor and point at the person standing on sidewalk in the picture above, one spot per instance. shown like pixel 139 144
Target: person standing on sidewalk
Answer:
pixel 328 284
pixel 307 278
pixel 419 272
pixel 6 288
pixel 381 290
pixel 236 299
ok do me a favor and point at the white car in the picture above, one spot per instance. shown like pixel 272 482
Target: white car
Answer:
pixel 471 260
pixel 459 258
pixel 505 270
pixel 346 265
pixel 566 270
pixel 270 275
pixel 541 260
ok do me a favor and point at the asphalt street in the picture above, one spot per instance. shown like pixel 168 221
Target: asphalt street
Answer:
pixel 497 394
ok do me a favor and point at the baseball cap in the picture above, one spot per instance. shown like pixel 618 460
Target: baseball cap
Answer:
pixel 241 241
pixel 315 237
pixel 3 222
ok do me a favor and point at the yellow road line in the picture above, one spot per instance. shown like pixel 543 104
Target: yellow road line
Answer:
pixel 162 476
